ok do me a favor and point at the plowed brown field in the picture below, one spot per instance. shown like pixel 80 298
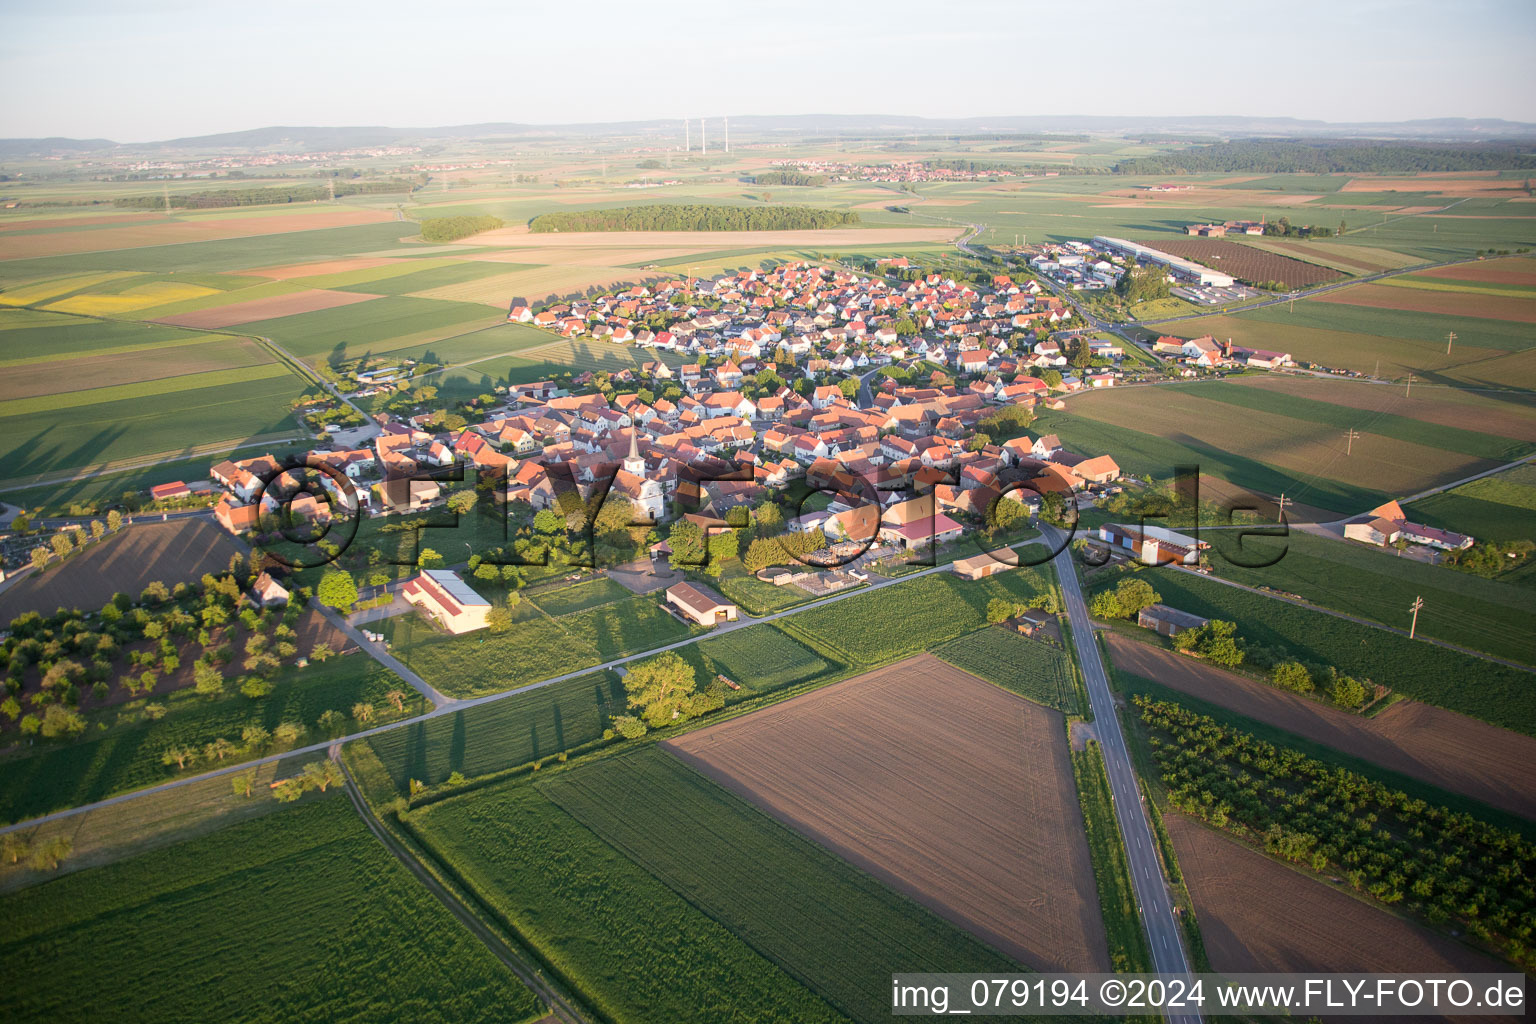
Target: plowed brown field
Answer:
pixel 1440 747
pixel 1258 916
pixel 1514 270
pixel 1422 300
pixel 265 309
pixel 943 786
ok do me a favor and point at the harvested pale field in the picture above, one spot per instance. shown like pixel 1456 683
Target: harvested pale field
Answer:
pixel 1514 270
pixel 292 270
pixel 1352 258
pixel 29 380
pixel 1451 751
pixel 265 309
pixel 897 201
pixel 1225 197
pixel 520 237
pixel 1383 296
pixel 170 232
pixel 536 284
pixel 1302 448
pixel 586 256
pixel 1259 916
pixel 945 787
pixel 172 552
pixel 1448 407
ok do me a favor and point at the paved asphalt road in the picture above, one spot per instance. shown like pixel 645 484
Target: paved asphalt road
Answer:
pixel 1152 896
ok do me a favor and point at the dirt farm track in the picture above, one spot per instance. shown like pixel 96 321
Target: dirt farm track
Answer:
pixel 1448 750
pixel 945 787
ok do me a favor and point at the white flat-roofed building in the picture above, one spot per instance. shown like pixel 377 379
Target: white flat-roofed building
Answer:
pixel 444 596
pixel 1177 264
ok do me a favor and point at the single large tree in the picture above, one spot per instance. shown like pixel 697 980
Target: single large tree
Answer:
pixel 337 590
pixel 659 686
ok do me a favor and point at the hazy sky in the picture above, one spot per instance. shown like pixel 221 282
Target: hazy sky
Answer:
pixel 143 71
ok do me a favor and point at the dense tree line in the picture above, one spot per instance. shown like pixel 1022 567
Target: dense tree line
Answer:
pixel 1445 865
pixel 789 178
pixel 1143 284
pixel 694 218
pixel 1352 157
pixel 451 229
pixel 208 199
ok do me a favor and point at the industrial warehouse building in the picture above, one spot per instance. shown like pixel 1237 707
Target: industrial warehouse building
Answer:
pixel 1180 266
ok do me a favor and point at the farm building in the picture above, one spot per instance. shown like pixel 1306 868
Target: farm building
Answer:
pixel 700 604
pixel 1154 545
pixel 1031 621
pixel 176 489
pixel 1166 620
pixel 441 594
pixel 1387 524
pixel 987 563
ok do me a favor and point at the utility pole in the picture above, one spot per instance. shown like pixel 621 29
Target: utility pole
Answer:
pixel 331 184
pixel 165 191
pixel 1448 339
pixel 703 137
pixel 1351 434
pixel 727 135
pixel 1418 602
pixel 1284 501
pixel 687 136
pixel 1409 389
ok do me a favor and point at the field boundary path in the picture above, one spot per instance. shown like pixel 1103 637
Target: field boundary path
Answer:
pixel 1152 896
pixel 383 657
pixel 560 1008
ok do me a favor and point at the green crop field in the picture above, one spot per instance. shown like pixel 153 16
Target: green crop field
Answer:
pixel 1030 668
pixel 503 734
pixel 1497 508
pixel 759 598
pixel 377 326
pixel 784 894
pixel 909 618
pixel 632 947
pixel 533 649
pixel 1460 682
pixel 32 336
pixel 51 776
pixel 431 277
pixel 215 256
pixel 1460 608
pixel 1400 428
pixel 1139 452
pixel 297 915
pixel 760 659
pixel 580 597
pixel 46 441
pixel 1246 428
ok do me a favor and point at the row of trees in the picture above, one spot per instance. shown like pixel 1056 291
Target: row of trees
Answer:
pixel 208 199
pixel 788 178
pixel 1344 157
pixel 451 229
pixel 66 542
pixel 694 218
pixel 663 690
pixel 1449 866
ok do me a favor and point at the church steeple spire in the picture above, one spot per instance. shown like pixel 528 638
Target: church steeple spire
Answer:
pixel 634 463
